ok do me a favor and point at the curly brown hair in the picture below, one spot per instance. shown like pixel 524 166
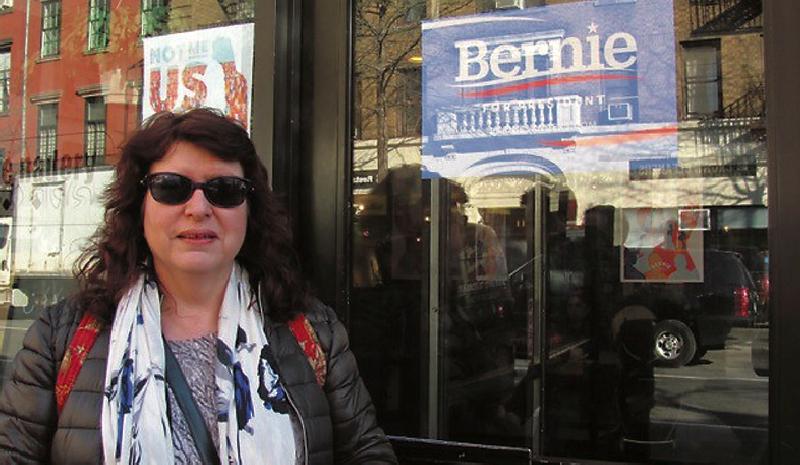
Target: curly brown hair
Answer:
pixel 118 252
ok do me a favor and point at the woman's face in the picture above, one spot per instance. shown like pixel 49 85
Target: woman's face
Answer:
pixel 195 237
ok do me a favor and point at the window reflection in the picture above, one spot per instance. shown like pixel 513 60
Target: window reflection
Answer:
pixel 616 314
pixel 477 329
pixel 390 236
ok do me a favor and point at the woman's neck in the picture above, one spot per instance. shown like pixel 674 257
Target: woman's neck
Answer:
pixel 190 305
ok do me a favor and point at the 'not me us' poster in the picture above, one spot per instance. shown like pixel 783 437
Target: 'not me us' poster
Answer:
pixel 585 86
pixel 204 68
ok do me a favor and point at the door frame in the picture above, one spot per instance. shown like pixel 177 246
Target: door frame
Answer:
pixel 782 56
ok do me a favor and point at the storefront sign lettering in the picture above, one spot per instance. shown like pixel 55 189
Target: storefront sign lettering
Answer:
pixel 478 59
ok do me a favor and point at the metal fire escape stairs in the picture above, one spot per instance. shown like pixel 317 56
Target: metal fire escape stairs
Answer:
pixel 725 16
pixel 738 132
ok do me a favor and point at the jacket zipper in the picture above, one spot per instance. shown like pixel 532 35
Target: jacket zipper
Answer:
pixel 302 423
pixel 288 396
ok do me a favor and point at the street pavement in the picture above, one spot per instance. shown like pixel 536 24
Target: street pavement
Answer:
pixel 714 411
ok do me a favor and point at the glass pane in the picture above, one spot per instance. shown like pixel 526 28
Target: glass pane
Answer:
pixel 702 98
pixel 47 116
pixel 95 109
pixel 702 63
pixel 567 257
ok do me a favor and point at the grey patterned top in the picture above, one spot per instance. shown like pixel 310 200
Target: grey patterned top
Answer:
pixel 197 358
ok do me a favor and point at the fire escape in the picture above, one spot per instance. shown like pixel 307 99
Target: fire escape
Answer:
pixel 713 17
pixel 737 132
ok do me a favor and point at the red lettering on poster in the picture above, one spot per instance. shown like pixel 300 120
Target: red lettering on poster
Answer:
pixel 235 93
pixel 167 104
pixel 194 85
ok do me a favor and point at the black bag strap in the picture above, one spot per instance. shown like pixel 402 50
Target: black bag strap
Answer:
pixel 197 426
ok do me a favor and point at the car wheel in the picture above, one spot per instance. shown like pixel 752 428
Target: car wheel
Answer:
pixel 674 344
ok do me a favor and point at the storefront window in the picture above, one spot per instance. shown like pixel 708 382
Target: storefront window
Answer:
pixel 570 247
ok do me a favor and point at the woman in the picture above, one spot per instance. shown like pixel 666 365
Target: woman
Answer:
pixel 193 261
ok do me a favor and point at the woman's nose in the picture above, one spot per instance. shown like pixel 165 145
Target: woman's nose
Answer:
pixel 198 204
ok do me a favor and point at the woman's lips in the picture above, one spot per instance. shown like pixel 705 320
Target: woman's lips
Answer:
pixel 197 236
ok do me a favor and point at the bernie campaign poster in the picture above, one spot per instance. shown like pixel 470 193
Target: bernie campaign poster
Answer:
pixel 204 68
pixel 578 87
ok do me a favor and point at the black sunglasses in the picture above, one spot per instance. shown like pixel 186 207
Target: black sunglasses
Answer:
pixel 175 189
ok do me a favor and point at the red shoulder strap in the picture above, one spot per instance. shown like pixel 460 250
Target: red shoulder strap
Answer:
pixel 307 338
pixel 89 329
pixel 79 347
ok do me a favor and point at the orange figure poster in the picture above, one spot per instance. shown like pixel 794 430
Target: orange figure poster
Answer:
pixel 656 249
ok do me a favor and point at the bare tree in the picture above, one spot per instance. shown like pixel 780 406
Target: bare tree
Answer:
pixel 387 47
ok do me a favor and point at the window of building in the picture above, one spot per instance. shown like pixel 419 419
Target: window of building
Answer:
pixel 6 4
pixel 6 177
pixel 5 80
pixel 98 25
pixel 95 143
pixel 47 131
pixel 237 10
pixel 415 10
pixel 358 107
pixel 51 27
pixel 703 79
pixel 407 103
pixel 154 16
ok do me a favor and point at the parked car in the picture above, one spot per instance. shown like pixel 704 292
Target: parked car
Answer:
pixel 693 317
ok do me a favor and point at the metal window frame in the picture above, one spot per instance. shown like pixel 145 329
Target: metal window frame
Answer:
pixel 717 46
pixel 51 28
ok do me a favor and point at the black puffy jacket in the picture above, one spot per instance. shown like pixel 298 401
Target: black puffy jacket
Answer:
pixel 339 420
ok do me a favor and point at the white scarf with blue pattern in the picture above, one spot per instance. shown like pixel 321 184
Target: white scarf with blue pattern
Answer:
pixel 252 407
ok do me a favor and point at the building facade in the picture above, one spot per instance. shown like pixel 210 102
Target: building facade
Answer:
pixel 561 230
